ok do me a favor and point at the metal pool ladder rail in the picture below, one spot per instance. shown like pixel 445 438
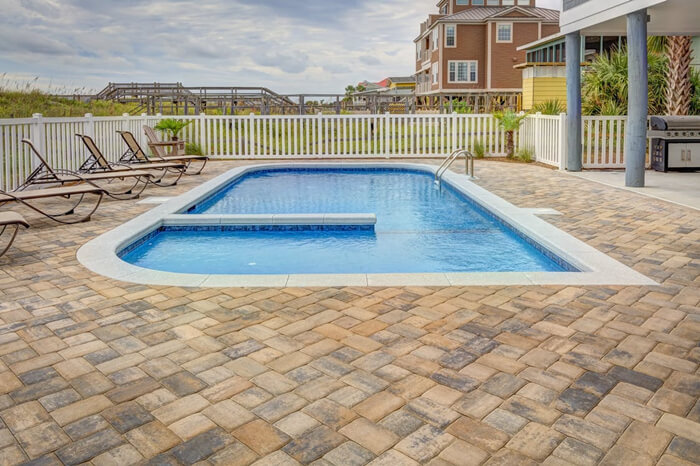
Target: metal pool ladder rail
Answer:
pixel 447 163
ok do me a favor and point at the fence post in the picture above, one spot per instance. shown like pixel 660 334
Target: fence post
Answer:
pixel 387 136
pixel 561 150
pixel 319 143
pixel 89 127
pixel 203 132
pixel 142 122
pixel 453 142
pixel 538 135
pixel 38 134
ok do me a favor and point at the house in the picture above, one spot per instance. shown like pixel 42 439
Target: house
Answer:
pixel 544 71
pixel 387 94
pixel 466 51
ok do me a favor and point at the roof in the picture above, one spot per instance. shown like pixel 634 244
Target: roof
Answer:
pixel 545 40
pixel 403 79
pixel 485 13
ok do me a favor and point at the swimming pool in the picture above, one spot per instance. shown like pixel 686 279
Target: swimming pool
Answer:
pixel 346 224
pixel 421 227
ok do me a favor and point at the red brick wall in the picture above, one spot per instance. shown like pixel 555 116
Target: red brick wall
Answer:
pixel 505 56
pixel 471 45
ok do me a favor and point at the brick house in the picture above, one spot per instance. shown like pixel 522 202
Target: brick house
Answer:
pixel 467 51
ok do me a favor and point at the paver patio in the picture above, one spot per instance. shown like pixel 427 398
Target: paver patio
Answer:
pixel 100 371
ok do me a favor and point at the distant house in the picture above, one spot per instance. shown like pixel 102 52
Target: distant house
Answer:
pixel 393 90
pixel 467 50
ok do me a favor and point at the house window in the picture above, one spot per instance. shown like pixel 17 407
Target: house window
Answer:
pixel 508 2
pixel 450 36
pixel 436 38
pixel 436 73
pixel 443 10
pixel 466 2
pixel 465 71
pixel 493 2
pixel 504 32
pixel 418 51
pixel 524 2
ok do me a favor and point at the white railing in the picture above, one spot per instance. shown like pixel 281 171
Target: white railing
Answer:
pixel 308 137
pixel 545 136
pixel 252 137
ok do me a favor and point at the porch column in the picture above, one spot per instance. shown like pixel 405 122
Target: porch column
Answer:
pixel 636 135
pixel 574 149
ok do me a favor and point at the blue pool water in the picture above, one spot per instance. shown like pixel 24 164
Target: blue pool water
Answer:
pixel 420 229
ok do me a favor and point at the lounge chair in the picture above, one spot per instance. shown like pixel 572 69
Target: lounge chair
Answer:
pixel 11 220
pixel 97 163
pixel 136 155
pixel 45 174
pixel 27 197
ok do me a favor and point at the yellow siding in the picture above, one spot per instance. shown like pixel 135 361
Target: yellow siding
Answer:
pixel 538 90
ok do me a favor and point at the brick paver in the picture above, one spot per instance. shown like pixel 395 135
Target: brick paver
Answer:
pixel 100 371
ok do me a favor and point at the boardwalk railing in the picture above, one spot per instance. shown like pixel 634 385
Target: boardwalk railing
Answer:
pixel 309 137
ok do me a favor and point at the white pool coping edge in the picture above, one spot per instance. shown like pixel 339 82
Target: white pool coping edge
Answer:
pixel 100 254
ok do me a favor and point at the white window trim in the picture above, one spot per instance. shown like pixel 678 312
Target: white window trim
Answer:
pixel 450 26
pixel 511 33
pixel 435 73
pixel 436 42
pixel 476 62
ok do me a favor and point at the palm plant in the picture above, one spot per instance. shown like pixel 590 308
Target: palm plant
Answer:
pixel 679 87
pixel 550 107
pixel 510 122
pixel 172 127
pixel 605 84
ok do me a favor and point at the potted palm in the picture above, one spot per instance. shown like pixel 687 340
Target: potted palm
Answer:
pixel 510 122
pixel 171 127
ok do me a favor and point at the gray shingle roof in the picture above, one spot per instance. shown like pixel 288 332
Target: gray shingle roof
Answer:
pixel 478 14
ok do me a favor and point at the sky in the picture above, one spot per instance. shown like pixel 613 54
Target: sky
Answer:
pixel 289 46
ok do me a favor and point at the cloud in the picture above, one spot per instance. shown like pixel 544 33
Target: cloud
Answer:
pixel 290 46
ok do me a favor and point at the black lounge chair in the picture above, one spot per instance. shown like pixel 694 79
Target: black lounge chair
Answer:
pixel 79 191
pixel 98 163
pixel 135 154
pixel 45 174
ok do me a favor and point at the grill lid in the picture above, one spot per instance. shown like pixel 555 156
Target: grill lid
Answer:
pixel 673 123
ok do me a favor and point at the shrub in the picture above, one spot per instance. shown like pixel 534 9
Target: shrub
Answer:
pixel 550 107
pixel 479 150
pixel 526 154
pixel 462 107
pixel 605 84
pixel 192 148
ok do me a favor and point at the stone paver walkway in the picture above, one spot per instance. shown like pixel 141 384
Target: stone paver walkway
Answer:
pixel 110 373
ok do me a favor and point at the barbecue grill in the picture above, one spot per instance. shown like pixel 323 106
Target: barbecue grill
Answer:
pixel 675 143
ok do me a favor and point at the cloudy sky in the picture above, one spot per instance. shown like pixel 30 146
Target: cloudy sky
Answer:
pixel 290 46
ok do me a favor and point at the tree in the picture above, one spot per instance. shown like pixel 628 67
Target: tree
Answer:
pixel 349 91
pixel 510 122
pixel 679 87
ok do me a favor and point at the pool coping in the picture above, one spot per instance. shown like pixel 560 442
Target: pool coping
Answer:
pixel 100 255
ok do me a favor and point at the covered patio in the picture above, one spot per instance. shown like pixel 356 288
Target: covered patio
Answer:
pixel 637 19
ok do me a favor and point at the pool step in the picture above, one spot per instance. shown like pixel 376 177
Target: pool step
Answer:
pixel 273 219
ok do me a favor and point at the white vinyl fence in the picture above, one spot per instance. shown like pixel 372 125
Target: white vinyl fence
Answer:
pixel 308 137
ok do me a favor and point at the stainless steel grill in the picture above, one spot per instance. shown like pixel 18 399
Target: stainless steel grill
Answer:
pixel 675 143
